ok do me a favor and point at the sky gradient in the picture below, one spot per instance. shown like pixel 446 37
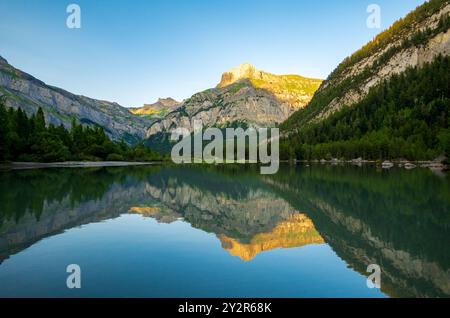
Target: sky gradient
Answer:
pixel 133 52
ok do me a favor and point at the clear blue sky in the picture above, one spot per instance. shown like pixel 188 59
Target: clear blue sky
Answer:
pixel 133 52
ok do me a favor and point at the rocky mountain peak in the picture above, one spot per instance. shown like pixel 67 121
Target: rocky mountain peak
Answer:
pixel 245 97
pixel 3 61
pixel 168 102
pixel 245 70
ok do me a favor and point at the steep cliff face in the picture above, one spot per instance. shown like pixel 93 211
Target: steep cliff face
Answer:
pixel 411 42
pixel 60 107
pixel 245 96
pixel 292 90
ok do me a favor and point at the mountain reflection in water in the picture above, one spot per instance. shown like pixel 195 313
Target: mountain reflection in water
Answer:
pixel 398 219
pixel 297 231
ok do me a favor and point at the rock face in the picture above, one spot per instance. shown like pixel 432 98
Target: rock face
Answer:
pixel 156 110
pixel 410 42
pixel 244 96
pixel 60 107
pixel 292 90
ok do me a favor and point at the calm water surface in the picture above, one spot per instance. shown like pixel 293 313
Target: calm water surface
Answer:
pixel 224 231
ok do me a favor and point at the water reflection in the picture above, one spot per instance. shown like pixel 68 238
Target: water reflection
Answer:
pixel 398 219
pixel 297 231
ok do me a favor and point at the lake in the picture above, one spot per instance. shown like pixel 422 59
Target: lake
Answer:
pixel 224 231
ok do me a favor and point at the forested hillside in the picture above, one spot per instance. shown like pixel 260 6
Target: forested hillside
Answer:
pixel 25 138
pixel 408 42
pixel 405 117
pixel 388 100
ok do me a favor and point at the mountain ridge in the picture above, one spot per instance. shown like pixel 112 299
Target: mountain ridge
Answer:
pixel 412 41
pixel 22 90
pixel 389 100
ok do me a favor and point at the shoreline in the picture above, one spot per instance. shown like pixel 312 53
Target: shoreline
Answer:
pixel 432 165
pixel 386 164
pixel 70 164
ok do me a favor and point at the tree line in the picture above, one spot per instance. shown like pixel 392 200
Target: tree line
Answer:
pixel 29 138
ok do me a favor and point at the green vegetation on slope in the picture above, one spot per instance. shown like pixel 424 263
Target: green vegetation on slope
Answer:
pixel 30 139
pixel 337 88
pixel 405 117
pixel 398 30
pixel 280 84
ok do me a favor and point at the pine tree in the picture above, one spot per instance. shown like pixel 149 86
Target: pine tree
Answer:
pixel 39 122
pixel 4 125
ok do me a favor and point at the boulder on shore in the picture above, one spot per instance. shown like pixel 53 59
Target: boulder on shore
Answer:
pixel 387 164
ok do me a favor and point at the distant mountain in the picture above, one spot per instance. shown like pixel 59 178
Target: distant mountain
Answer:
pixel 389 99
pixel 60 107
pixel 244 97
pixel 157 110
